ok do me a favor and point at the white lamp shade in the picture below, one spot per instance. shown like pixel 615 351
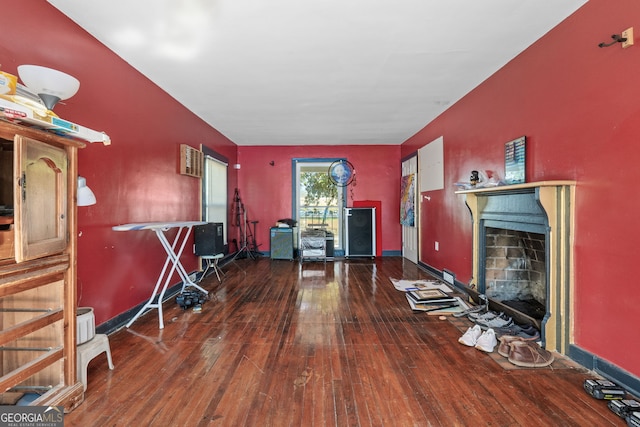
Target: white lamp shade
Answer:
pixel 50 85
pixel 85 195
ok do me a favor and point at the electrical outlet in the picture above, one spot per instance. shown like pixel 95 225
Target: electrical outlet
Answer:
pixel 627 34
pixel 437 246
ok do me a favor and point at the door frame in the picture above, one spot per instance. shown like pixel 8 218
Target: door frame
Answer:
pixel 410 235
pixel 295 163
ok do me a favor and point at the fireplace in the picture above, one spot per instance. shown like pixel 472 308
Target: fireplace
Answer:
pixel 522 254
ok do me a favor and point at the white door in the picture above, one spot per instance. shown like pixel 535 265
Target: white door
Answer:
pixel 410 233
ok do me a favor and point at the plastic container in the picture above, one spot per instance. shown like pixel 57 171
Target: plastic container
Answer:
pixel 85 325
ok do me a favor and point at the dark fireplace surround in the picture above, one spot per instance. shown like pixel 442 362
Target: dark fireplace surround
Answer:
pixel 522 254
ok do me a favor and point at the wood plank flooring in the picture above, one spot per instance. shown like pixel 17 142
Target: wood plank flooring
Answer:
pixel 290 344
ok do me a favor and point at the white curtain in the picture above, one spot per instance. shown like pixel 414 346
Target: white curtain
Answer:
pixel 215 208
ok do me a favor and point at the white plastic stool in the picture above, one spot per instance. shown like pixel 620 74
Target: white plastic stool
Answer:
pixel 212 263
pixel 87 351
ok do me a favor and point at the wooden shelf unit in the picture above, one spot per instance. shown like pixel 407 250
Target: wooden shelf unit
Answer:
pixel 38 266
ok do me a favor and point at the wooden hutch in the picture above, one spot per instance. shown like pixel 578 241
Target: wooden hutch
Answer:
pixel 38 231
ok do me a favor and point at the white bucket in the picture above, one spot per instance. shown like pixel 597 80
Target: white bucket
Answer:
pixel 85 325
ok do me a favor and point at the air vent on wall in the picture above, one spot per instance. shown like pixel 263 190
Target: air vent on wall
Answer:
pixel 191 161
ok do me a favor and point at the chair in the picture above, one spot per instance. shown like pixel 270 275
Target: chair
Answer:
pixel 209 246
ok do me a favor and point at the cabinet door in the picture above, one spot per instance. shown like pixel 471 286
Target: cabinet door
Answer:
pixel 40 199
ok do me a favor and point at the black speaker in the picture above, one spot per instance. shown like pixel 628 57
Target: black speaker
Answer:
pixel 360 233
pixel 209 239
pixel 329 249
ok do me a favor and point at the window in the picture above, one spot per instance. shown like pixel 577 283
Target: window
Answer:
pixel 214 189
pixel 318 202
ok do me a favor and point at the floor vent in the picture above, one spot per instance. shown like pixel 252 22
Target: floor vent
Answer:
pixel 448 277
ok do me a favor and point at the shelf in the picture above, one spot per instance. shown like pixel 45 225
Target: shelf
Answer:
pixel 516 187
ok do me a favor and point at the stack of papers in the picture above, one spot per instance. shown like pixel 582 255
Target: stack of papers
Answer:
pixel 414 285
pixel 454 307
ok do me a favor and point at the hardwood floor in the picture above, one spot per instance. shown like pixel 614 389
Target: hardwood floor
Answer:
pixel 287 344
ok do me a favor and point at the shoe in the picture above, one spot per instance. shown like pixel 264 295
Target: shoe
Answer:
pixel 527 333
pixel 500 321
pixel 470 337
pixel 483 316
pixel 470 310
pixel 505 344
pixel 528 354
pixel 487 341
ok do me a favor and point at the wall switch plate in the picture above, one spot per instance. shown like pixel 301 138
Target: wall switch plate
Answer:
pixel 627 34
pixel 437 246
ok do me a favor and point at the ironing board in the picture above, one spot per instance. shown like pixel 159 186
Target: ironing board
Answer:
pixel 174 251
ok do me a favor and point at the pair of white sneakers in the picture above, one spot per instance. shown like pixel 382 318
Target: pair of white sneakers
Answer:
pixel 475 337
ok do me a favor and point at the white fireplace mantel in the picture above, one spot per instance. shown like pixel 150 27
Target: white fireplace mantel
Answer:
pixel 557 200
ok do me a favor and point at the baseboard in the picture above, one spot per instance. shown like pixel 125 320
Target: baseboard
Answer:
pixel 628 381
pixel 122 319
pixel 440 275
pixel 391 253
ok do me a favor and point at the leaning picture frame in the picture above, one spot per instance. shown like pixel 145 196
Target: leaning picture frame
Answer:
pixel 514 161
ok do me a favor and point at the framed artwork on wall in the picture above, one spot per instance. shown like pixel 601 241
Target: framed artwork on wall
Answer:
pixel 407 200
pixel 514 161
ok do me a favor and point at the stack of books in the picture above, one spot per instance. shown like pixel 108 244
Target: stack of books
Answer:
pixel 430 300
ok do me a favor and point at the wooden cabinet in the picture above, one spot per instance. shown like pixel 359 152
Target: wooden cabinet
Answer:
pixel 38 267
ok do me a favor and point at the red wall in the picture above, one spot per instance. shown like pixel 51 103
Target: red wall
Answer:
pixel 576 103
pixel 578 106
pixel 267 193
pixel 135 179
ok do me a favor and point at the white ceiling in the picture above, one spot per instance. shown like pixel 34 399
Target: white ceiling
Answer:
pixel 322 72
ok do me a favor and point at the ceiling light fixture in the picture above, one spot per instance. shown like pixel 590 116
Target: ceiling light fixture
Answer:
pixel 50 85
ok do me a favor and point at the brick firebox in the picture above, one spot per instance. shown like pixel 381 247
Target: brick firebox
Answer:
pixel 516 270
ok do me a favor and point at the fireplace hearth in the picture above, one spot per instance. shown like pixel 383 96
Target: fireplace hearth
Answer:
pixel 530 308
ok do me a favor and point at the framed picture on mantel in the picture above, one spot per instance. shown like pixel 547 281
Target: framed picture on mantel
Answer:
pixel 514 157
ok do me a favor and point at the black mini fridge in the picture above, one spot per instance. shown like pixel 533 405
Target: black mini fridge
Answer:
pixel 360 232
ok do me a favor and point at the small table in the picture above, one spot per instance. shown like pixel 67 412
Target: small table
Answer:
pixel 173 257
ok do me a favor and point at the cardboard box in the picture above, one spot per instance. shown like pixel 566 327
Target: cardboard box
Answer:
pixel 7 83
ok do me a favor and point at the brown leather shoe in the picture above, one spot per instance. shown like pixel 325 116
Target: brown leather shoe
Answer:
pixel 529 354
pixel 505 348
